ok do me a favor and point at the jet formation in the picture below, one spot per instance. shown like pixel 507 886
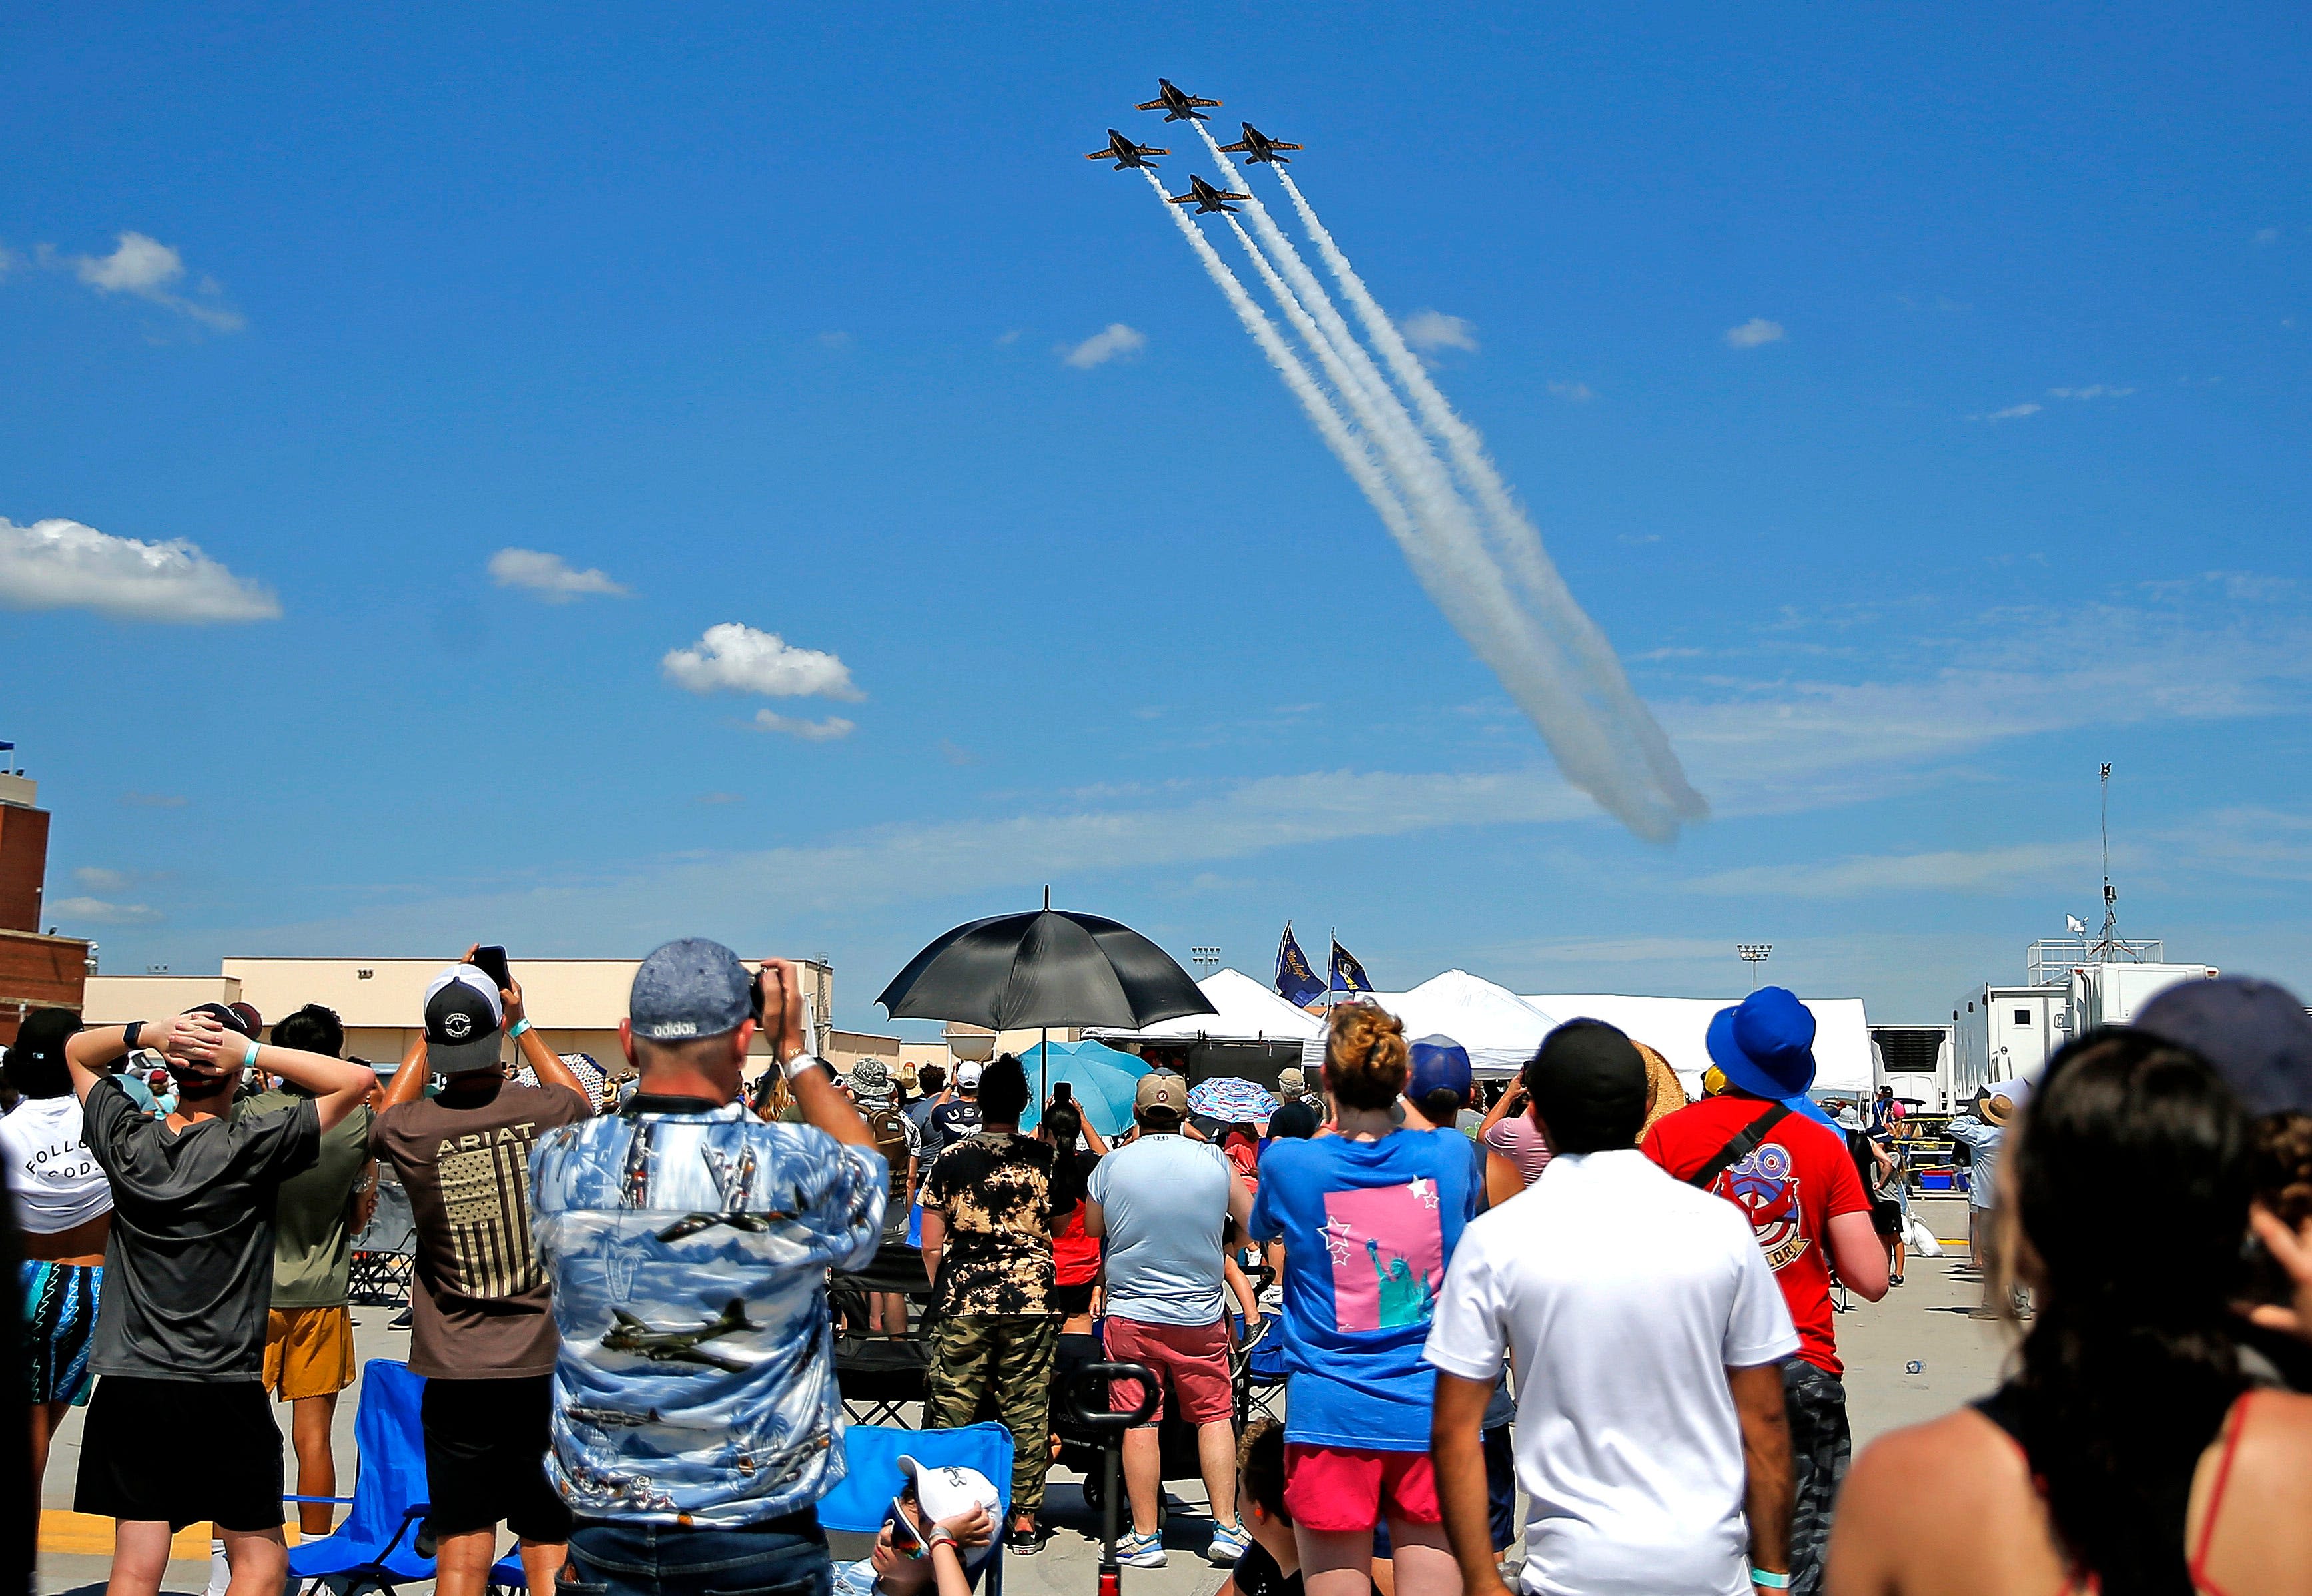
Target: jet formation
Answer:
pixel 1180 106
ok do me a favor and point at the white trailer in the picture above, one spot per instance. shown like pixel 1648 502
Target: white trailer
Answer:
pixel 2111 993
pixel 2006 1033
pixel 1916 1061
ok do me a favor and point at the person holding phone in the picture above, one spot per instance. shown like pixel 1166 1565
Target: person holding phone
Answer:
pixel 481 1333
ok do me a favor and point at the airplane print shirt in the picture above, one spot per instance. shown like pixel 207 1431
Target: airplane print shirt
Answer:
pixel 688 1254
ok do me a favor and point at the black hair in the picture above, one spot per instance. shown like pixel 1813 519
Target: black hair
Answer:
pixel 312 1029
pixel 2165 1147
pixel 1441 1107
pixel 1065 1124
pixel 1260 1459
pixel 930 1079
pixel 36 1061
pixel 1004 1091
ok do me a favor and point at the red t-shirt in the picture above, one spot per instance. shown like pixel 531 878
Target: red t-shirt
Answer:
pixel 1790 1185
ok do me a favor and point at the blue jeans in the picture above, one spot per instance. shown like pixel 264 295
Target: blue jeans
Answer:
pixel 620 1558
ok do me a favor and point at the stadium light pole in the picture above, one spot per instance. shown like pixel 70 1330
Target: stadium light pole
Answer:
pixel 1206 959
pixel 1754 954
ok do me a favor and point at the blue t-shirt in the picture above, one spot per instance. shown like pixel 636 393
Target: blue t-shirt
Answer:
pixel 1367 1228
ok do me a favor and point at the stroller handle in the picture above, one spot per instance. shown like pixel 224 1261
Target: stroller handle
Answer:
pixel 1101 1418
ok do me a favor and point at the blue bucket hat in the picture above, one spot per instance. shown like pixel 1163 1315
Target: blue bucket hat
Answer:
pixel 1764 1044
pixel 1438 1061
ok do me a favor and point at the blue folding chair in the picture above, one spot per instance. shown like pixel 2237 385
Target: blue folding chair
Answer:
pixel 871 1455
pixel 377 1545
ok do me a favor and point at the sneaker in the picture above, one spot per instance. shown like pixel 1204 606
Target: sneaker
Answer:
pixel 1229 1542
pixel 1023 1543
pixel 1140 1551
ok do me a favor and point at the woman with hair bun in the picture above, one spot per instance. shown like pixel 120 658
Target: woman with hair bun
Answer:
pixel 1370 1219
pixel 2129 1455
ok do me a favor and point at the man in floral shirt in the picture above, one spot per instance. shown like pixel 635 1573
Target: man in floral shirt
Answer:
pixel 988 1244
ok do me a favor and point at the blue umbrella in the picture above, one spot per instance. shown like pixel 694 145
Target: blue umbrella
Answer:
pixel 1231 1101
pixel 1102 1091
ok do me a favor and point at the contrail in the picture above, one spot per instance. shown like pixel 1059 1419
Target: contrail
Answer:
pixel 1515 535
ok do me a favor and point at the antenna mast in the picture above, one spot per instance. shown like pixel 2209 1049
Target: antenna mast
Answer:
pixel 2110 944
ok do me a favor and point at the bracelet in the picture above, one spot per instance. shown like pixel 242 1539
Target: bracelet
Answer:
pixel 514 1031
pixel 939 1538
pixel 248 1059
pixel 1772 1582
pixel 803 1061
pixel 129 1033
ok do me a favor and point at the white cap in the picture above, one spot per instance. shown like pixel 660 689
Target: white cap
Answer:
pixel 945 1491
pixel 967 1074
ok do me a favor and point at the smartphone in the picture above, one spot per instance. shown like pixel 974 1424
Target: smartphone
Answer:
pixel 491 960
pixel 1064 1093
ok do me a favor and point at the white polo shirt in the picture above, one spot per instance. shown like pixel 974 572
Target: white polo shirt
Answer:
pixel 1621 1295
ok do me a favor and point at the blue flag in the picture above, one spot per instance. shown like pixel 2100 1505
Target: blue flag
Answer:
pixel 1296 983
pixel 1348 975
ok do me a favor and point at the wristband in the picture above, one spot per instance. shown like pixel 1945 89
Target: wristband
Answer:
pixel 938 1537
pixel 803 1061
pixel 514 1031
pixel 1772 1582
pixel 248 1059
pixel 129 1033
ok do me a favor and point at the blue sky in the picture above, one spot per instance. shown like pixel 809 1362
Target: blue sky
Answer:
pixel 764 315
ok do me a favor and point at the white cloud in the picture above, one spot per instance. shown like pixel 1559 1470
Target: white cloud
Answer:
pixel 1431 330
pixel 788 725
pixel 1753 332
pixel 97 880
pixel 1114 341
pixel 733 658
pixel 1580 393
pixel 2267 235
pixel 2094 390
pixel 61 565
pixel 548 575
pixel 1975 869
pixel 149 268
pixel 2012 413
pixel 96 911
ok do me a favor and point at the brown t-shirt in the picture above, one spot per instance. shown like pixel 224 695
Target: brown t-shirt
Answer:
pixel 480 1306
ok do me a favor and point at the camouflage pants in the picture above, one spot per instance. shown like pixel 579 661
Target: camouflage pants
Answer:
pixel 998 1366
pixel 1821 1448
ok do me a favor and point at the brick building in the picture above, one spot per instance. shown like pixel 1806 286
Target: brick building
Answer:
pixel 36 971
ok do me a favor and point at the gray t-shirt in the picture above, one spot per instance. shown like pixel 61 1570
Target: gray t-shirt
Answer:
pixel 1164 1202
pixel 188 1268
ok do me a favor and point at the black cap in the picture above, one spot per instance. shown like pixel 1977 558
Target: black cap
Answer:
pixel 1589 1085
pixel 2255 1033
pixel 463 1017
pixel 36 1059
pixel 228 1016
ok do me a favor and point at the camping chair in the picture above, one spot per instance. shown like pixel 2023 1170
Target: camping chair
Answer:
pixel 871 1456
pixel 1259 1372
pixel 377 1546
pixel 879 1374
pixel 385 1254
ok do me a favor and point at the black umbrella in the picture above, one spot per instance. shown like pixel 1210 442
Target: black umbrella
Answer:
pixel 1010 972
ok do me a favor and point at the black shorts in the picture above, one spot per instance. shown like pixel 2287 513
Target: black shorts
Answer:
pixel 486 1443
pixel 181 1452
pixel 1887 1217
pixel 1070 1301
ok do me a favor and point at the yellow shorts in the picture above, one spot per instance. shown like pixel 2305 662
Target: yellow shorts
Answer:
pixel 309 1352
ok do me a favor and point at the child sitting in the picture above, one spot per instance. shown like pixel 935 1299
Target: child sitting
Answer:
pixel 936 1535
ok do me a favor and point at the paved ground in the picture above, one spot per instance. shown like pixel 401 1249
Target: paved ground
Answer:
pixel 1923 1321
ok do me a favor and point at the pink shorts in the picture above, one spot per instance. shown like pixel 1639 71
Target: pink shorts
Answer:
pixel 1337 1489
pixel 1192 1359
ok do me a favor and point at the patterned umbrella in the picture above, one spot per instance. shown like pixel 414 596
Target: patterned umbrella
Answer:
pixel 1231 1101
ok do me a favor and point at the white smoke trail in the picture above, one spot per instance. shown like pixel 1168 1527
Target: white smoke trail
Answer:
pixel 1514 535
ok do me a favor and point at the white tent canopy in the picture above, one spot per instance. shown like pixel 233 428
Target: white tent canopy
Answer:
pixel 1248 1013
pixel 1677 1028
pixel 1500 1029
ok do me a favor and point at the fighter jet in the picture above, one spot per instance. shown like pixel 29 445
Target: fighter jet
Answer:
pixel 1124 153
pixel 1205 198
pixel 1256 146
pixel 679 1346
pixel 1177 106
pixel 611 1418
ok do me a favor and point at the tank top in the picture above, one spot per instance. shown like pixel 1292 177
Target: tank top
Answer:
pixel 2004 1407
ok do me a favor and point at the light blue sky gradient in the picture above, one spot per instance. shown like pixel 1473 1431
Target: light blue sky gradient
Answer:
pixel 762 312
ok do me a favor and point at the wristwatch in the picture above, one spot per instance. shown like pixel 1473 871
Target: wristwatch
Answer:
pixel 803 1061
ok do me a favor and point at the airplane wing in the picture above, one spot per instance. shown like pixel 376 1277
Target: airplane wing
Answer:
pixel 1180 199
pixel 1101 155
pixel 1157 105
pixel 1194 100
pixel 626 1319
pixel 1243 145
pixel 1278 144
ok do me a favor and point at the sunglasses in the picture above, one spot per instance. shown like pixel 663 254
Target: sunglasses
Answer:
pixel 905 1539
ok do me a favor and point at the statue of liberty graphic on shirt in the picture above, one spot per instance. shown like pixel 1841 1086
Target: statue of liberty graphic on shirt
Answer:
pixel 1404 1298
pixel 1394 1284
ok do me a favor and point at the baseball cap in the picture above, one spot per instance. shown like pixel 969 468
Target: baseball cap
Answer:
pixel 944 1490
pixel 1589 1087
pixel 1292 1083
pixel 1439 1063
pixel 870 1079
pixel 690 988
pixel 2256 1033
pixel 463 1018
pixel 1161 1093
pixel 36 1063
pixel 967 1074
pixel 228 1015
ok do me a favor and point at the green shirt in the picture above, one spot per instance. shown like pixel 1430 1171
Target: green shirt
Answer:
pixel 313 1243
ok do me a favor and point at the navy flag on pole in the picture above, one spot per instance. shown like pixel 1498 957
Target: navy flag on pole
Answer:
pixel 1348 976
pixel 1296 983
